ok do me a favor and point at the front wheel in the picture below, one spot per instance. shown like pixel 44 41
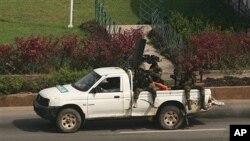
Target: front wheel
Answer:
pixel 170 117
pixel 68 120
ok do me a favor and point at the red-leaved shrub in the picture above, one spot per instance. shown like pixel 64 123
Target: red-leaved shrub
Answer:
pixel 219 50
pixel 38 54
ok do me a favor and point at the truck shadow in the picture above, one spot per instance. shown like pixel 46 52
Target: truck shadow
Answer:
pixel 35 125
pixel 119 124
pixel 40 125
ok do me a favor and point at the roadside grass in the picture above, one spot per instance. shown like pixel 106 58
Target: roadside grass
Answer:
pixel 22 18
pixel 51 17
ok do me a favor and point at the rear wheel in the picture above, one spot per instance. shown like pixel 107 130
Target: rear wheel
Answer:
pixel 68 120
pixel 170 117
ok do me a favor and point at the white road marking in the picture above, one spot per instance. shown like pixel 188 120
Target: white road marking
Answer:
pixel 171 131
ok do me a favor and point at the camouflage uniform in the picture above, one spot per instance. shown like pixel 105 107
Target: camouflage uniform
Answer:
pixel 156 72
pixel 186 80
pixel 143 81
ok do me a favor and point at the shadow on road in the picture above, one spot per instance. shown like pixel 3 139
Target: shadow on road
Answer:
pixel 40 125
pixel 119 124
pixel 35 125
pixel 134 124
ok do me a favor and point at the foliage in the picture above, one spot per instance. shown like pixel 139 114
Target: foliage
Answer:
pixel 38 54
pixel 10 84
pixel 218 12
pixel 187 27
pixel 227 81
pixel 6 52
pixel 207 46
pixel 219 50
pixel 104 49
pixel 34 54
pixel 66 76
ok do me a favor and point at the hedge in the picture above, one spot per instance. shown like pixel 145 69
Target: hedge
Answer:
pixel 10 84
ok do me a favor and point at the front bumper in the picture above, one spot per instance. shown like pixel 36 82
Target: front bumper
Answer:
pixel 46 112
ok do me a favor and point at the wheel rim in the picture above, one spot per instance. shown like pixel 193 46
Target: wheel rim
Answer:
pixel 69 121
pixel 171 118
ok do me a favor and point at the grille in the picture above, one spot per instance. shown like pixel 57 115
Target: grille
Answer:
pixel 42 101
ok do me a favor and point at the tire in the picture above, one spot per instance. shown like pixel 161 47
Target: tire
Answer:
pixel 170 117
pixel 68 121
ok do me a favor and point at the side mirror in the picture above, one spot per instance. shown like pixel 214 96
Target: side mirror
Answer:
pixel 96 90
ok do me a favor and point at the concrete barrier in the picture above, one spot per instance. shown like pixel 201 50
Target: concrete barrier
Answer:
pixel 231 92
pixel 22 99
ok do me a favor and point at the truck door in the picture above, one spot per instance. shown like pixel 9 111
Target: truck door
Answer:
pixel 106 99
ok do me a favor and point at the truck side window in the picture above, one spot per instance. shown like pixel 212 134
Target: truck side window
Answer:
pixel 111 84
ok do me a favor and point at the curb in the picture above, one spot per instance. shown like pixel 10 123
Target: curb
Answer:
pixel 219 93
pixel 231 92
pixel 21 99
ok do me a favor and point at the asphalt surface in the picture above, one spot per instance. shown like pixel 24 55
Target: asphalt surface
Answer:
pixel 22 124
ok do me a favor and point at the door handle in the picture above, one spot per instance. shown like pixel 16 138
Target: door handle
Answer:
pixel 116 96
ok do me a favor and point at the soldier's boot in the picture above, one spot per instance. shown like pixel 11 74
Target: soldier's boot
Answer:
pixel 135 103
pixel 153 103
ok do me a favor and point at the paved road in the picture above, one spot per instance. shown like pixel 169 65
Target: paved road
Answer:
pixel 22 124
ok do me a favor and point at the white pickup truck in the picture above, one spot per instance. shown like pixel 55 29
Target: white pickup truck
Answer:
pixel 108 93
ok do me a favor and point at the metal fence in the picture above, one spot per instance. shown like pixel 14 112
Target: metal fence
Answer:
pixel 147 7
pixel 241 7
pixel 150 13
pixel 170 37
pixel 102 17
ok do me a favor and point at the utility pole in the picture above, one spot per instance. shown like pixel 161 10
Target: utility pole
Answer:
pixel 71 14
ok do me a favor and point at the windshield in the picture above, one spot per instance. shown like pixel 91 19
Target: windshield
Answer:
pixel 87 81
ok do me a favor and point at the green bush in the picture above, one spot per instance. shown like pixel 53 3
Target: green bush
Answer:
pixel 34 83
pixel 10 84
pixel 65 76
pixel 187 27
pixel 227 81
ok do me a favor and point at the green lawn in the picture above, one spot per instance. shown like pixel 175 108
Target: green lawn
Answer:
pixel 22 18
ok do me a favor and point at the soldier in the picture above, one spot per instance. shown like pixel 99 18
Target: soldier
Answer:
pixel 143 81
pixel 187 80
pixel 156 72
